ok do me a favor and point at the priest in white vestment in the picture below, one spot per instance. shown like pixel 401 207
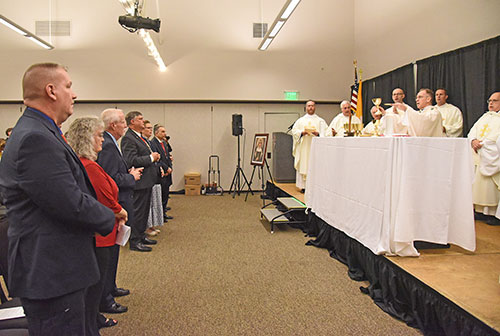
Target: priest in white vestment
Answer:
pixel 303 131
pixel 336 127
pixel 485 142
pixel 376 126
pixel 453 121
pixel 399 123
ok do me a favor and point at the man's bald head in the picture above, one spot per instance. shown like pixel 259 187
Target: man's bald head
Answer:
pixel 37 77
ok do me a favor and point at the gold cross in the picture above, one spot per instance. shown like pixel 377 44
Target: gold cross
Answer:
pixel 483 131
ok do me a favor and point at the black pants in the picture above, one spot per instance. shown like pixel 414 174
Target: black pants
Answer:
pixel 63 315
pixel 94 292
pixel 142 203
pixel 165 191
pixel 107 298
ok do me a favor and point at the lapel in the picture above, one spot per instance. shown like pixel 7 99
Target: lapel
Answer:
pixel 107 137
pixel 139 139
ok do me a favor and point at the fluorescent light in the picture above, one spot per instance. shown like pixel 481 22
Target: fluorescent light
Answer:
pixel 18 29
pixel 266 43
pixel 278 23
pixel 153 51
pixel 288 11
pixel 276 28
pixel 11 26
pixel 40 43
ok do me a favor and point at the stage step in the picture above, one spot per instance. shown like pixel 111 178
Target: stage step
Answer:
pixel 274 215
pixel 291 203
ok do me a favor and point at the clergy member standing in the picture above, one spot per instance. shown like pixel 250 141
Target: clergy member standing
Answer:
pixel 303 130
pixel 400 122
pixel 485 141
pixel 427 122
pixel 453 121
pixel 336 127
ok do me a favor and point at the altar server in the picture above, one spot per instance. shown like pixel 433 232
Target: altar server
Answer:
pixel 485 142
pixel 453 121
pixel 336 127
pixel 303 131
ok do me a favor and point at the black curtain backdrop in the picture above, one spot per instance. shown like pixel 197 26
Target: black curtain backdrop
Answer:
pixel 382 86
pixel 470 75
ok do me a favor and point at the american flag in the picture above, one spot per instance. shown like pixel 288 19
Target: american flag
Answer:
pixel 356 105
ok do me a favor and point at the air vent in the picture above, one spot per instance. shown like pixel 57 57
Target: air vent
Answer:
pixel 57 28
pixel 259 30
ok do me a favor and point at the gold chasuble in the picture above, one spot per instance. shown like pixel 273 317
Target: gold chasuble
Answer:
pixel 485 190
pixel 302 144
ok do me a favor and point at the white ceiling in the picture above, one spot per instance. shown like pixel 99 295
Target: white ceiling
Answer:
pixel 186 25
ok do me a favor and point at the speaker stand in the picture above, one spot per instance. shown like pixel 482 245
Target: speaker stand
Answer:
pixel 236 183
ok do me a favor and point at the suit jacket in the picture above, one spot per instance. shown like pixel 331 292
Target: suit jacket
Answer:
pixel 52 212
pixel 113 163
pixel 137 154
pixel 165 161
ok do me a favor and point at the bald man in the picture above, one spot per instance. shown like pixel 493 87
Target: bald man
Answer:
pixel 51 209
pixel 484 137
pixel 400 124
pixel 336 127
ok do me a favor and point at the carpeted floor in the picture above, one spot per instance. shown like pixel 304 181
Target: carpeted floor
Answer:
pixel 217 270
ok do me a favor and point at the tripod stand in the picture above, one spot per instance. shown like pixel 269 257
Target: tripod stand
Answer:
pixel 237 177
pixel 261 179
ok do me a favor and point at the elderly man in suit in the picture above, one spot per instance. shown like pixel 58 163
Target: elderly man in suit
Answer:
pixel 51 209
pixel 111 160
pixel 158 144
pixel 138 153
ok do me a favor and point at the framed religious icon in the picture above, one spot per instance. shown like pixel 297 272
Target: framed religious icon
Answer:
pixel 259 149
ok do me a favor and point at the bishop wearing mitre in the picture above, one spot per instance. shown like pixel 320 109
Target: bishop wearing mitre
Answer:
pixel 485 142
pixel 303 131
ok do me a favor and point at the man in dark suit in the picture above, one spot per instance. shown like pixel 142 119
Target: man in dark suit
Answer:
pixel 138 153
pixel 51 209
pixel 111 160
pixel 158 144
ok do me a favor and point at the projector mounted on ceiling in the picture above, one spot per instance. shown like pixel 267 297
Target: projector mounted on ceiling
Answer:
pixel 134 22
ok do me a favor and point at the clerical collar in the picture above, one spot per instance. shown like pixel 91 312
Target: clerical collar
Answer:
pixel 46 117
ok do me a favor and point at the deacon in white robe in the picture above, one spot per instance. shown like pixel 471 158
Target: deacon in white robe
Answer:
pixel 303 131
pixel 453 121
pixel 336 127
pixel 485 142
pixel 376 126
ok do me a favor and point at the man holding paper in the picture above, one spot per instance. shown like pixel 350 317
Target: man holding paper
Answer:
pixel 303 130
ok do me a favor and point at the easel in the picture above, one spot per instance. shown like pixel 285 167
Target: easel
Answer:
pixel 261 173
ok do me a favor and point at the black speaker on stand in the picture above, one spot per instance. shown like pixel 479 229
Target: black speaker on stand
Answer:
pixel 237 125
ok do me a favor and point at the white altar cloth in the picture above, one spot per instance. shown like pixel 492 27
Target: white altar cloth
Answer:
pixel 388 192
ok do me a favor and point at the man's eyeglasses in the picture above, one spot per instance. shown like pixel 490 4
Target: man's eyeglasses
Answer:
pixel 492 101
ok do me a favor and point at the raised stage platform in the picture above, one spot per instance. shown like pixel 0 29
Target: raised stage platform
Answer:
pixel 443 291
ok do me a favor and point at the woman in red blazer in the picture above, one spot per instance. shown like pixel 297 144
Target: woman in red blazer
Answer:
pixel 85 137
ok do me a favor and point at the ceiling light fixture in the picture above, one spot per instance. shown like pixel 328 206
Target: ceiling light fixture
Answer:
pixel 278 23
pixel 133 9
pixel 20 30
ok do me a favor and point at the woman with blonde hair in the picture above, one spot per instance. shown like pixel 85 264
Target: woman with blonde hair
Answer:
pixel 85 137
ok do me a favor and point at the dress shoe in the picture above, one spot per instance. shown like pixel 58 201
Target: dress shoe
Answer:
pixel 492 220
pixel 108 323
pixel 147 241
pixel 115 308
pixel 168 208
pixel 120 292
pixel 140 247
pixel 168 217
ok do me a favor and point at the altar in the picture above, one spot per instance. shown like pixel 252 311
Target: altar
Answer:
pixel 387 192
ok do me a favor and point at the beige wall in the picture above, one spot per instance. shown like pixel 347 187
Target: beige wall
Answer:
pixel 196 130
pixel 389 34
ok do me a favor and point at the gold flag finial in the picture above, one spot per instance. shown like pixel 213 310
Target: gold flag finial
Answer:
pixel 360 73
pixel 355 63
